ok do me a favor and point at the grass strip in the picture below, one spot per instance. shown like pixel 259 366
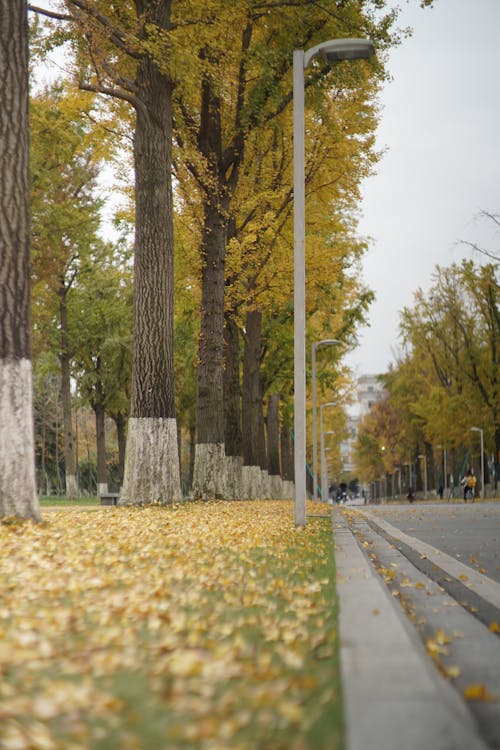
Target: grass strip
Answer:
pixel 202 626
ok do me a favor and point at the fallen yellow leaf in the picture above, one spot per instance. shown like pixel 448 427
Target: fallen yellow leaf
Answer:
pixel 477 692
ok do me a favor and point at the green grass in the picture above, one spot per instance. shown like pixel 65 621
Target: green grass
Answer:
pixel 63 501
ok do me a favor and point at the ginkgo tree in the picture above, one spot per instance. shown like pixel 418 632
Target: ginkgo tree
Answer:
pixel 65 221
pixel 241 88
pixel 17 466
pixel 453 333
pixel 124 51
pixel 447 379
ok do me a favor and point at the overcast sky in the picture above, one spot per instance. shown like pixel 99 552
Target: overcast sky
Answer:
pixel 440 124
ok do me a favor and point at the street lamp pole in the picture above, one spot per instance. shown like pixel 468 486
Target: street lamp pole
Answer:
pixel 481 435
pixel 338 49
pixel 315 345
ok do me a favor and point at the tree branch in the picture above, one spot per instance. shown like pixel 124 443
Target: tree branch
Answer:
pixel 109 91
pixel 49 13
pixel 117 37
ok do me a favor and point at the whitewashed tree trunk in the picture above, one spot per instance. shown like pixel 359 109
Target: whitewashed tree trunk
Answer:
pixel 234 466
pixel 251 484
pixel 210 472
pixel 265 484
pixel 151 462
pixel 288 490
pixel 18 495
pixel 71 486
pixel 17 452
pixel 276 487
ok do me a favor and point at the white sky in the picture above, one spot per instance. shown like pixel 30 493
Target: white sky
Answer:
pixel 441 125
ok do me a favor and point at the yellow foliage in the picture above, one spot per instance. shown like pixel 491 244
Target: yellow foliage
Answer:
pixel 187 624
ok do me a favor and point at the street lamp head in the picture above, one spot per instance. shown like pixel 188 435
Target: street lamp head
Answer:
pixel 329 403
pixel 341 49
pixel 328 342
pixel 476 429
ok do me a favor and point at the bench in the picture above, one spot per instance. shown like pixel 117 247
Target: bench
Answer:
pixel 110 498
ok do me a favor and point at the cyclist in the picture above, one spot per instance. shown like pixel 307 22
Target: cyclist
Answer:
pixel 470 486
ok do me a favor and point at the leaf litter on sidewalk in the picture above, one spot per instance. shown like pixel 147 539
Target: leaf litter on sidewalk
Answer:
pixel 196 626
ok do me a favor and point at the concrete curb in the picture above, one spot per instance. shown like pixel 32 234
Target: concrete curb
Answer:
pixel 393 696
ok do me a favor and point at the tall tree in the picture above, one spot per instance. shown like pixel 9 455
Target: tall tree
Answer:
pixel 101 313
pixel 242 87
pixel 123 51
pixel 65 221
pixel 453 334
pixel 17 458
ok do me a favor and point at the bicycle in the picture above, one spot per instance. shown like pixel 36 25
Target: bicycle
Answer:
pixel 469 494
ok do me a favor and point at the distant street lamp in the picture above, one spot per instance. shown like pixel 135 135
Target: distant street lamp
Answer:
pixel 425 474
pixel 478 429
pixel 333 50
pixel 315 345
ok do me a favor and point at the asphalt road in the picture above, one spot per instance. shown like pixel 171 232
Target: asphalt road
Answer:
pixel 441 563
pixel 469 532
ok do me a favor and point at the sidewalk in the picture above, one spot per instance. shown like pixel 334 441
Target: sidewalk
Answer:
pixel 394 697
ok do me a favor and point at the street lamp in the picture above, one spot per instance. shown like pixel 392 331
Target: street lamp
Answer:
pixel 481 434
pixel 333 50
pixel 425 474
pixel 315 345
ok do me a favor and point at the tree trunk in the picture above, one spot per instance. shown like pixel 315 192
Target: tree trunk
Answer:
pixel 120 422
pixel 18 495
pixel 192 450
pixel 232 408
pixel 102 472
pixel 209 478
pixel 286 454
pixel 64 358
pixel 273 448
pixel 152 459
pixel 497 456
pixel 255 478
pixel 254 444
pixel 232 389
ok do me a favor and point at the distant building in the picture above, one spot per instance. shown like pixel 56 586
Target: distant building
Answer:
pixel 369 390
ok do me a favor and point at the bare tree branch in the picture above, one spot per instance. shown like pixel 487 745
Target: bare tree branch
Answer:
pixel 49 13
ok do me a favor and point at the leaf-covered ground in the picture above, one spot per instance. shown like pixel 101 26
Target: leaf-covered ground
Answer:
pixel 204 626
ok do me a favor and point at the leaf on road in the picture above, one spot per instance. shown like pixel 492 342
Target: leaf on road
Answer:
pixel 478 692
